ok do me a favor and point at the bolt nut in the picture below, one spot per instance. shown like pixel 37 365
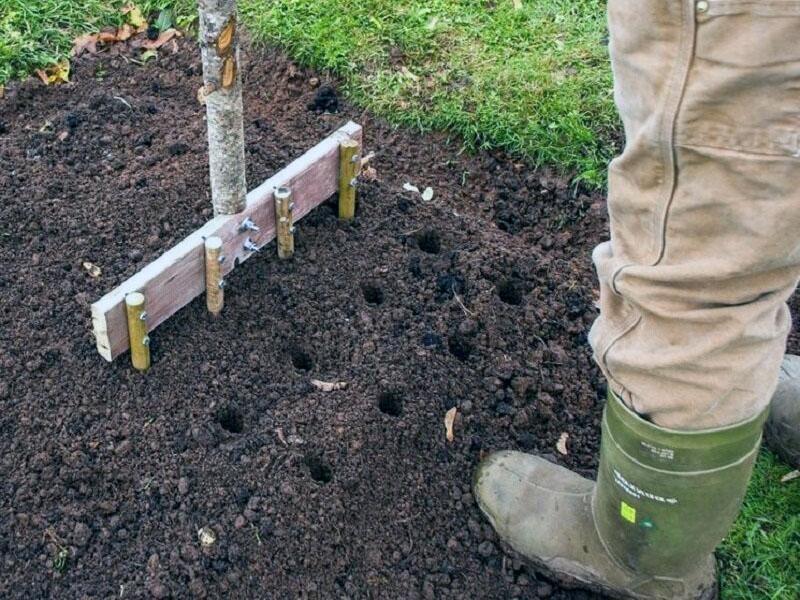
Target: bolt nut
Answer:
pixel 702 6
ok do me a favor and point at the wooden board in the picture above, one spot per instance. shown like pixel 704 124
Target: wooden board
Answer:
pixel 177 277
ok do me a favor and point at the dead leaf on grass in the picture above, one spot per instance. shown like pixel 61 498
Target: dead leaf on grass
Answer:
pixel 54 74
pixel 135 17
pixel 84 43
pixel 329 386
pixel 790 476
pixel 561 444
pixel 93 270
pixel 449 421
pixel 162 39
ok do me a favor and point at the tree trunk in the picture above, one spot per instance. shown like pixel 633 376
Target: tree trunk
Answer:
pixel 222 90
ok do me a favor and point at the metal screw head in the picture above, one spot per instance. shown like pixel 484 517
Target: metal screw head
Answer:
pixel 221 259
pixel 146 341
pixel 222 284
pixel 702 6
pixel 248 225
pixel 250 246
pixel 143 316
pixel 354 182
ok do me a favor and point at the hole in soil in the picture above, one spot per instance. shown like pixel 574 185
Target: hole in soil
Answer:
pixel 459 346
pixel 372 293
pixel 429 242
pixel 509 292
pixel 318 469
pixel 301 360
pixel 390 403
pixel 230 419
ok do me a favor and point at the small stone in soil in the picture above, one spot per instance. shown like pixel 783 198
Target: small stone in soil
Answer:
pixel 326 100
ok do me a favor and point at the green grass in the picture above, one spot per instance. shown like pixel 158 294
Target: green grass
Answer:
pixel 534 82
pixel 760 558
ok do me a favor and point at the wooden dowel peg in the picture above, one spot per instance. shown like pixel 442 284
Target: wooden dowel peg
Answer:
pixel 284 222
pixel 137 331
pixel 215 286
pixel 349 168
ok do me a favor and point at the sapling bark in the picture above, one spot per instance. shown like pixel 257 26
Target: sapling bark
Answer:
pixel 222 91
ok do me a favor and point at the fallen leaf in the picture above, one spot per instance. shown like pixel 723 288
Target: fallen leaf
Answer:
pixel 54 74
pixel 449 421
pixel 162 39
pixel 410 188
pixel 125 32
pixel 369 174
pixel 84 43
pixel 329 386
pixel 206 536
pixel 135 17
pixel 561 444
pixel 147 55
pixel 107 36
pixel 92 269
pixel 790 476
pixel 427 195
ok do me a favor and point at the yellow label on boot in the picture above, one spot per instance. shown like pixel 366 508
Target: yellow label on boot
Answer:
pixel 628 512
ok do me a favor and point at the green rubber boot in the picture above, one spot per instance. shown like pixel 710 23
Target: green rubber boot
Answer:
pixel 647 529
pixel 782 432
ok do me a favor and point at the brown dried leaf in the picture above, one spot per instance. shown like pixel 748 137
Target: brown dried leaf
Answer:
pixel 329 386
pixel 57 73
pixel 162 39
pixel 125 32
pixel 449 421
pixel 92 269
pixel 561 444
pixel 790 476
pixel 84 43
pixel 108 36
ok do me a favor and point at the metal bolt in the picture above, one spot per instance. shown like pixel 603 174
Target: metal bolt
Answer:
pixel 146 341
pixel 355 158
pixel 222 284
pixel 221 259
pixel 143 316
pixel 250 246
pixel 292 229
pixel 291 206
pixel 702 6
pixel 354 182
pixel 248 225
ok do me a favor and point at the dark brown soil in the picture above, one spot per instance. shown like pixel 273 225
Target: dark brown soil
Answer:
pixel 480 299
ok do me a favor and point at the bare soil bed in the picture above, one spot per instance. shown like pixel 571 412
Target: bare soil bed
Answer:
pixel 480 298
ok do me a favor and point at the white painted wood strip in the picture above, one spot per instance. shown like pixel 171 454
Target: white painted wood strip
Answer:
pixel 178 276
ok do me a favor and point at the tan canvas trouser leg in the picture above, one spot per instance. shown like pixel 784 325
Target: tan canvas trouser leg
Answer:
pixel 704 207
